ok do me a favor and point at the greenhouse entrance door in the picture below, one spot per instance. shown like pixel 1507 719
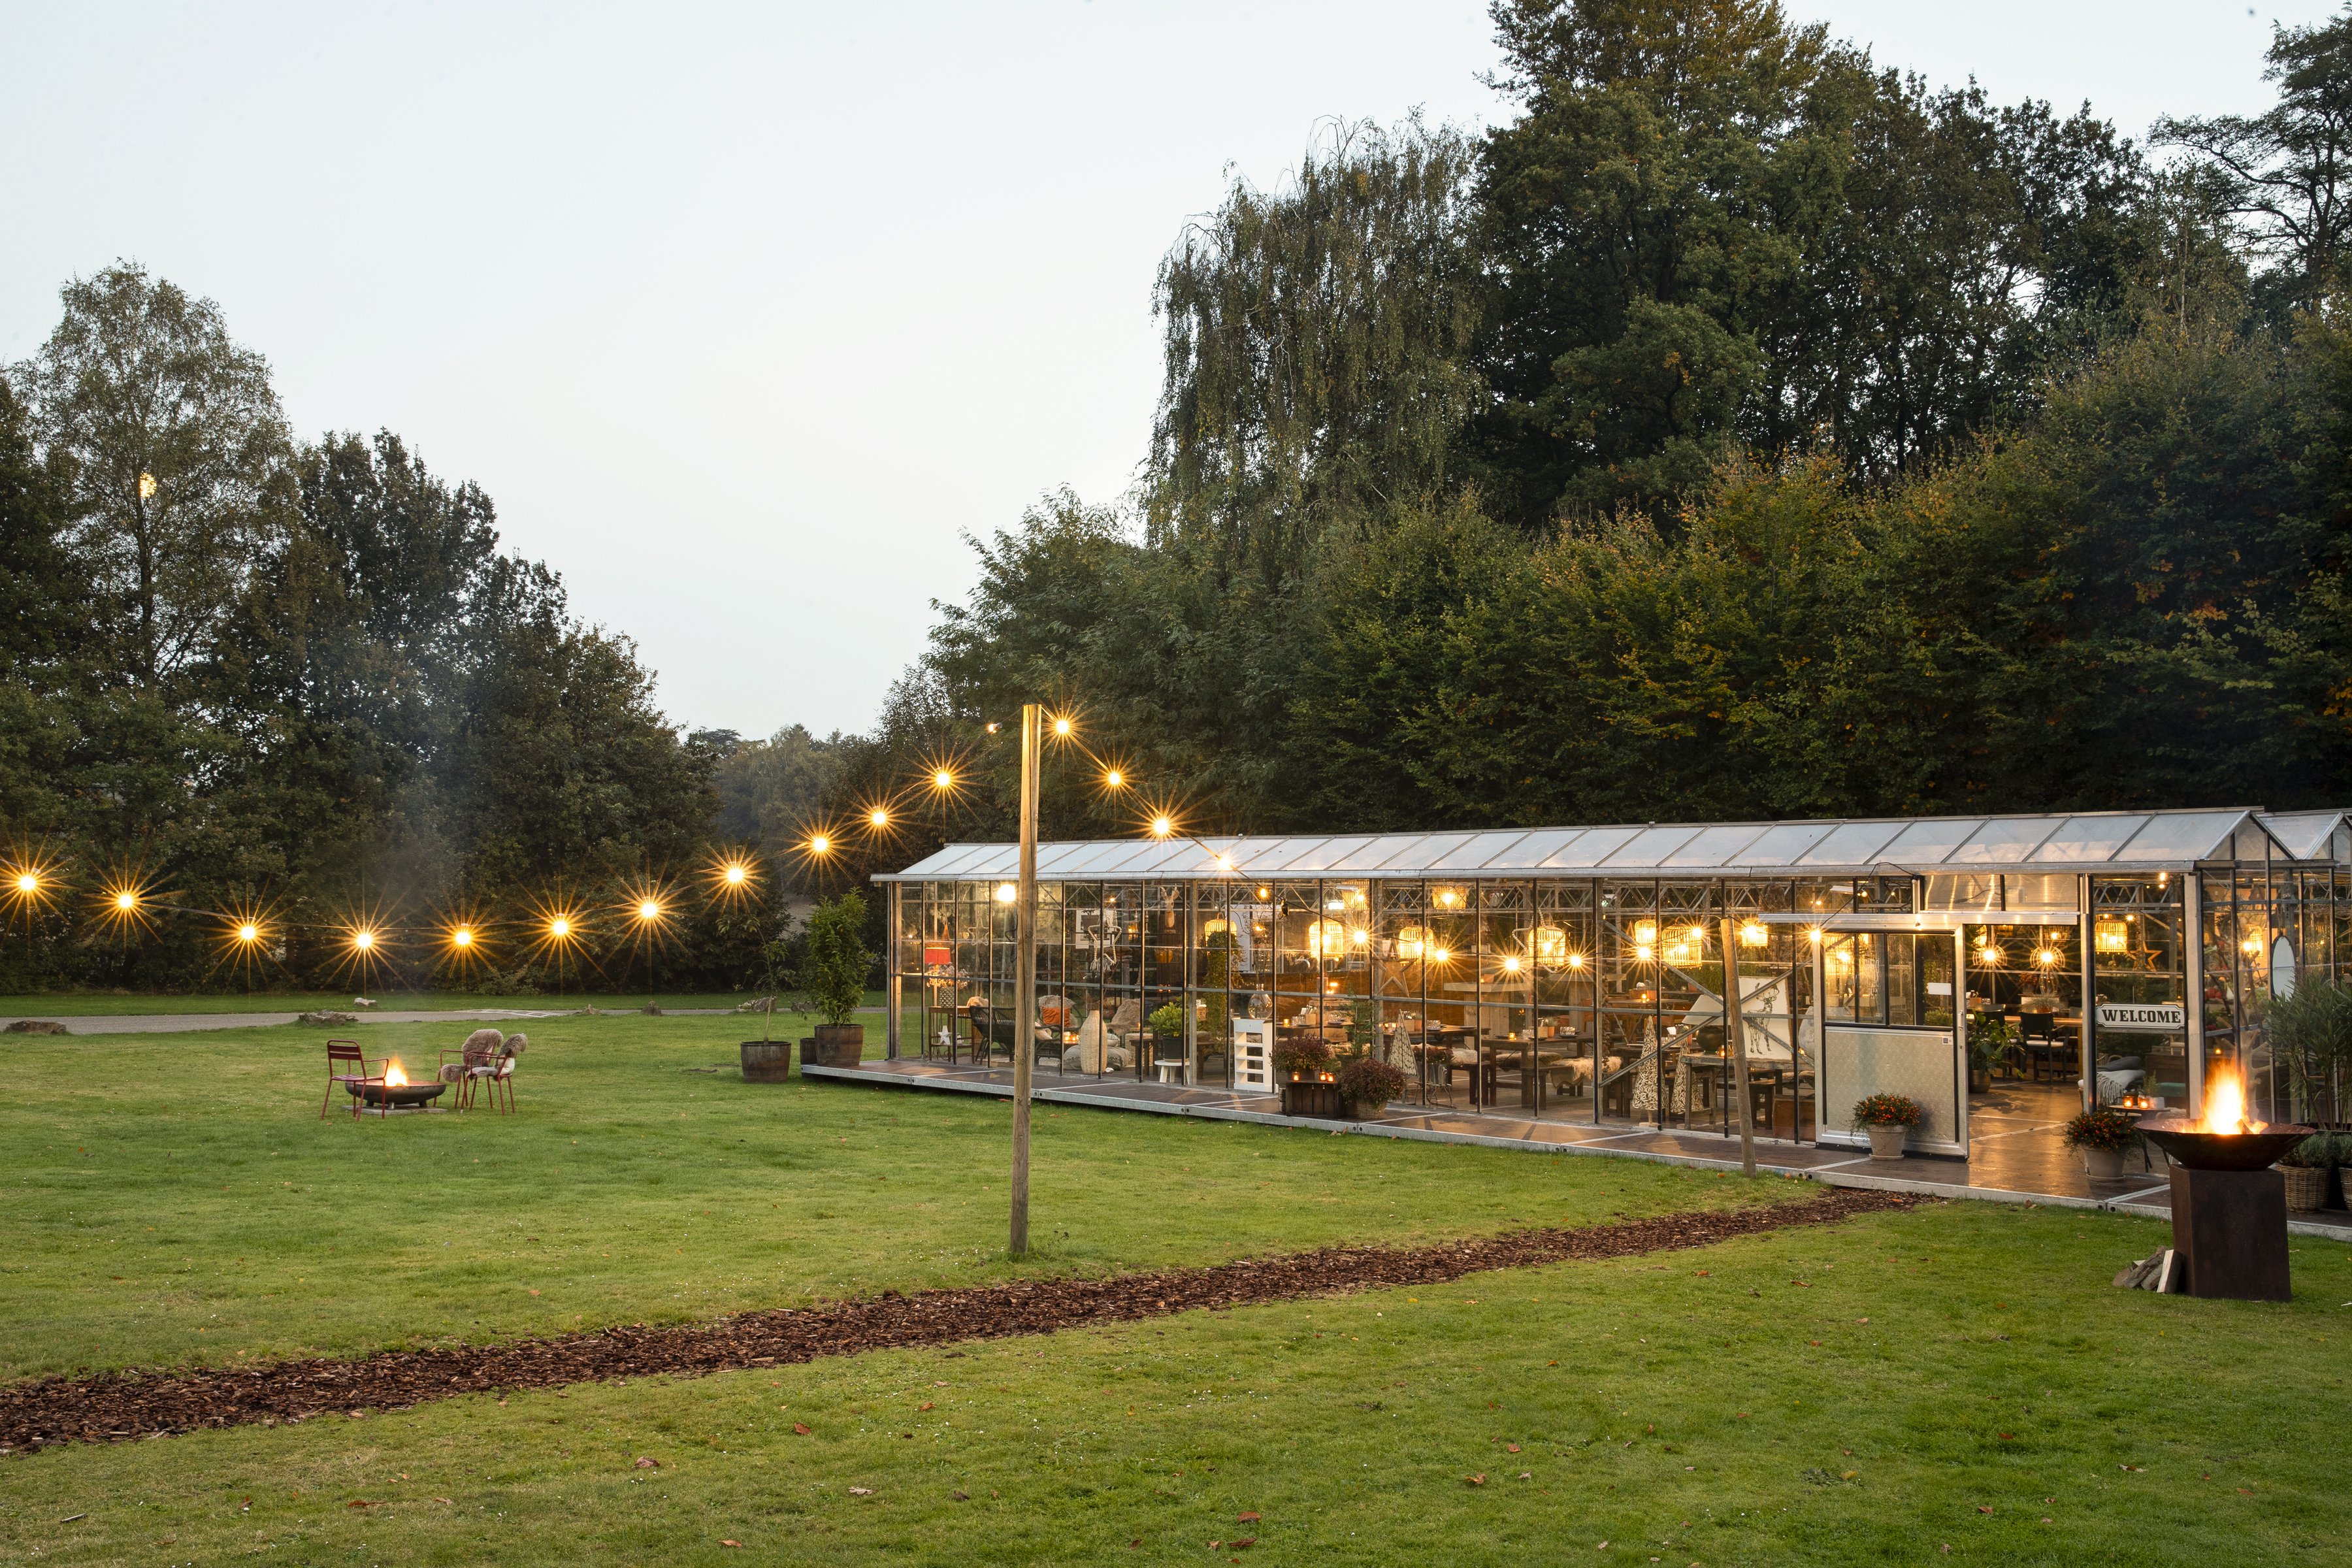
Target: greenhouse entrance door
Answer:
pixel 1892 1024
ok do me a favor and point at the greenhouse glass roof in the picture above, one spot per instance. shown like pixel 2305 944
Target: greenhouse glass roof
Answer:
pixel 1928 845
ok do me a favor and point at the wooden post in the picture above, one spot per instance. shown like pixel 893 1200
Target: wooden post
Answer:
pixel 1735 1045
pixel 1025 995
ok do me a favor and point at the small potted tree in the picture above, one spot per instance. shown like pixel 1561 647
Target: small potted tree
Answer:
pixel 1166 1023
pixel 768 1060
pixel 834 966
pixel 1302 1070
pixel 1990 1040
pixel 2103 1134
pixel 1367 1084
pixel 1889 1119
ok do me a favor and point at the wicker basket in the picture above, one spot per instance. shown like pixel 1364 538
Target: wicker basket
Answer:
pixel 2307 1186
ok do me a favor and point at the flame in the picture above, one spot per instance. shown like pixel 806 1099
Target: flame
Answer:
pixel 2225 1103
pixel 392 1076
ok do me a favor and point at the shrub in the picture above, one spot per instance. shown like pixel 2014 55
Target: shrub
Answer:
pixel 1309 1055
pixel 2318 1152
pixel 1167 1021
pixel 2102 1127
pixel 1888 1110
pixel 1368 1080
pixel 835 962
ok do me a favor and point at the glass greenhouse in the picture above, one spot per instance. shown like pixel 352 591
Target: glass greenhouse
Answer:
pixel 1578 972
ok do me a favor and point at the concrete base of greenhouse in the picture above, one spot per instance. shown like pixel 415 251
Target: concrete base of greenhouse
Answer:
pixel 2063 1187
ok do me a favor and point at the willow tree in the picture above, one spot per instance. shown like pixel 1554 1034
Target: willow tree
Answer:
pixel 1318 341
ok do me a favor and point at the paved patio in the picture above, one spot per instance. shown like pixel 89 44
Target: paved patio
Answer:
pixel 2015 1155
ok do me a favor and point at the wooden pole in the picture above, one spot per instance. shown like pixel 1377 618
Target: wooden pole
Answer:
pixel 1734 1044
pixel 1025 995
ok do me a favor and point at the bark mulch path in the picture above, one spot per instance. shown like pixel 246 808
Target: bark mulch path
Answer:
pixel 111 1406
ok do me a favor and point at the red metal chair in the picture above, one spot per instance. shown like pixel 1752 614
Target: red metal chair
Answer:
pixel 499 1076
pixel 346 1054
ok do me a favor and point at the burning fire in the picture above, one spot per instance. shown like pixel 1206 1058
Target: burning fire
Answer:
pixel 2225 1103
pixel 392 1076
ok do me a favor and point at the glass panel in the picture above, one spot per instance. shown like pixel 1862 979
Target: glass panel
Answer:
pixel 1437 849
pixel 1714 846
pixel 1902 977
pixel 1784 845
pixel 1651 846
pixel 1927 842
pixel 1480 853
pixel 2089 838
pixel 1333 854
pixel 1591 847
pixel 1851 844
pixel 2004 842
pixel 1534 849
pixel 2181 836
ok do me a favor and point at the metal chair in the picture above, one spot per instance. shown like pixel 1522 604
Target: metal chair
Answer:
pixel 346 1054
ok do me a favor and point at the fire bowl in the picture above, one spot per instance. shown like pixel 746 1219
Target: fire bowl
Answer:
pixel 399 1096
pixel 2222 1150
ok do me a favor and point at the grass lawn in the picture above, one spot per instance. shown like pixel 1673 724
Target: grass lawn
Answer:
pixel 1700 1407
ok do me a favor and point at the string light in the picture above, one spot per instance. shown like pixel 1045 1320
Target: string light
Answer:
pixel 878 818
pixel 1113 779
pixel 1161 826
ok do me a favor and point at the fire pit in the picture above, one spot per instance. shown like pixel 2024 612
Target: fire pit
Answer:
pixel 2229 1207
pixel 393 1091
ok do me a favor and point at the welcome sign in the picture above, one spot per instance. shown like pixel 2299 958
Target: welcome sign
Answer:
pixel 2129 1016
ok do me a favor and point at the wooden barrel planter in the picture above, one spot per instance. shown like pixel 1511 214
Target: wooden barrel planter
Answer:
pixel 834 1046
pixel 767 1061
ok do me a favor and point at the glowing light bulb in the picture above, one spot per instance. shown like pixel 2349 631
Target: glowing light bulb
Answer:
pixel 28 883
pixel 559 927
pixel 1006 892
pixel 944 779
pixel 1061 726
pixel 1113 778
pixel 126 900
pixel 248 932
pixel 1510 964
pixel 1576 961
pixel 878 818
pixel 735 874
pixel 363 940
pixel 819 844
pixel 462 937
pixel 1162 826
pixel 648 910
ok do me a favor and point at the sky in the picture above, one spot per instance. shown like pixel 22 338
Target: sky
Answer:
pixel 747 316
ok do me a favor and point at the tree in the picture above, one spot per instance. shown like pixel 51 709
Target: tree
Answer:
pixel 178 455
pixel 834 964
pixel 2286 173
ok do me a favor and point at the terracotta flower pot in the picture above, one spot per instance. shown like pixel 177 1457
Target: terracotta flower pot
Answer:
pixel 1887 1143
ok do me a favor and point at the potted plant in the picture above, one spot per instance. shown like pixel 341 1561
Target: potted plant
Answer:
pixel 833 966
pixel 1990 1040
pixel 1887 1117
pixel 767 1060
pixel 1367 1084
pixel 1166 1023
pixel 1303 1071
pixel 2307 1168
pixel 2310 1034
pixel 2103 1134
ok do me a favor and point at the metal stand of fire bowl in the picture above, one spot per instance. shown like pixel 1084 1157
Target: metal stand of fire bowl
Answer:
pixel 2229 1208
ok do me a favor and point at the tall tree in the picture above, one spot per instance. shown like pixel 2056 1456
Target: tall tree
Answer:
pixel 2286 173
pixel 179 458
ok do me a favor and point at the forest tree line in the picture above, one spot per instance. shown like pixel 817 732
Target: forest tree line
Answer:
pixel 246 674
pixel 1743 429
